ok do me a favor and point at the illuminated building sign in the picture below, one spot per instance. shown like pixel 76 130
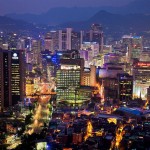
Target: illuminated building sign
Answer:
pixel 15 56
pixel 143 64
pixel 69 67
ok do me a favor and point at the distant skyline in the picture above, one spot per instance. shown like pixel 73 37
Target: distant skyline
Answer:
pixel 40 6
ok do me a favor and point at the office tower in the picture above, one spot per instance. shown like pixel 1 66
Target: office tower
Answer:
pixel 145 56
pixel 12 40
pixel 51 41
pixel 65 39
pixel 68 81
pixel 89 76
pixel 133 46
pixel 54 35
pixel 48 44
pixel 12 77
pixel 125 87
pixel 75 40
pixel 69 39
pixel 137 46
pixel 126 41
pixel 108 79
pixel 27 41
pixel 36 48
pixel 52 61
pixel 111 58
pixel 89 50
pixel 141 74
pixel 95 35
pixel 51 72
pixel 68 54
pixel 92 76
pixel 87 55
pixel 29 86
pixel 107 49
pixel 93 46
pixel 21 44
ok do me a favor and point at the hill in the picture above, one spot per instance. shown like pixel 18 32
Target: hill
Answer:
pixel 61 15
pixel 115 24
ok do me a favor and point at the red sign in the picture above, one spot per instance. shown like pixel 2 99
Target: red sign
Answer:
pixel 143 64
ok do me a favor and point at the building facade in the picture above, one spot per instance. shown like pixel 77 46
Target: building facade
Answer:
pixel 125 87
pixel 69 81
pixel 12 77
pixel 141 75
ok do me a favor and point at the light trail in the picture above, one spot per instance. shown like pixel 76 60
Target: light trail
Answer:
pixel 101 91
pixel 42 110
pixel 119 136
pixel 88 131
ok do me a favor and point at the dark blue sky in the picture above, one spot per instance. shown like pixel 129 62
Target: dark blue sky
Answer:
pixel 38 6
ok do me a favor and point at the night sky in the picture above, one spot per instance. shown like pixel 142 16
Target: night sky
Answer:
pixel 39 6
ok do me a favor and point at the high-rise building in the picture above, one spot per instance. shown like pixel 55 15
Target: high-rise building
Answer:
pixel 87 55
pixel 65 39
pixel 69 80
pixel 125 87
pixel 29 87
pixel 133 46
pixel 75 40
pixel 95 35
pixel 21 44
pixel 111 58
pixel 69 39
pixel 12 40
pixel 94 46
pixel 12 77
pixel 36 48
pixel 107 77
pixel 145 56
pixel 54 35
pixel 141 74
pixel 51 41
pixel 48 44
pixel 126 41
pixel 88 51
pixel 89 77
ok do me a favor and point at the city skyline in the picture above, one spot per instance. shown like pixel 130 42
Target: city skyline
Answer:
pixel 31 6
pixel 76 75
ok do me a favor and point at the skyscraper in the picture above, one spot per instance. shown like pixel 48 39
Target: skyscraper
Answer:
pixel 12 77
pixel 36 48
pixel 51 41
pixel 69 80
pixel 133 45
pixel 69 39
pixel 125 87
pixel 12 40
pixel 141 74
pixel 95 35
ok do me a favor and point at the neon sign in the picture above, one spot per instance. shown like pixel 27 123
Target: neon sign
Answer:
pixel 144 64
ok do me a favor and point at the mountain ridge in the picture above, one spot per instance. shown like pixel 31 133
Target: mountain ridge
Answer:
pixel 60 15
